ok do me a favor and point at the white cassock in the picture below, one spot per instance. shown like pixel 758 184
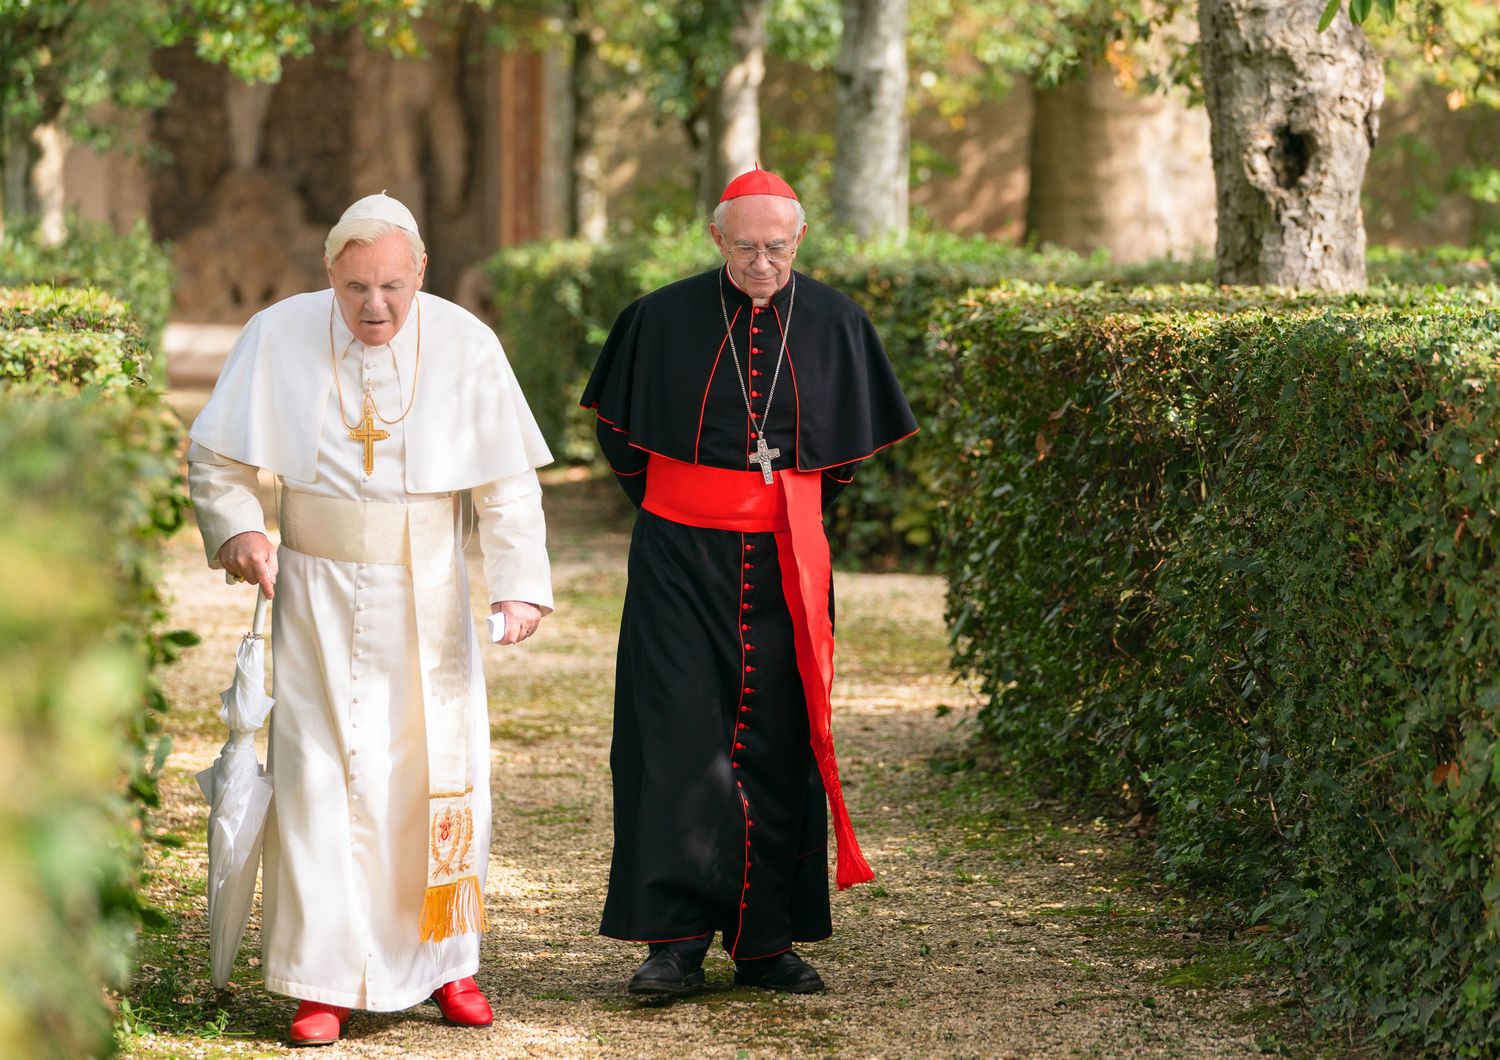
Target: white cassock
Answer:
pixel 346 843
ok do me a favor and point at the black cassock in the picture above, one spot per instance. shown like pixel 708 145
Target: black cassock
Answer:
pixel 720 821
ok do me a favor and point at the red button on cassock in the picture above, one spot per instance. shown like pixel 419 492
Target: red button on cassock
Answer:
pixel 748 585
pixel 744 607
pixel 739 747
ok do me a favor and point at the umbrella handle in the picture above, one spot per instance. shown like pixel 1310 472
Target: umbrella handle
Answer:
pixel 257 627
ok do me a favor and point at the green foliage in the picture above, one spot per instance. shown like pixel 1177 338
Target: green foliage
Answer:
pixel 1359 10
pixel 130 267
pixel 89 470
pixel 1232 555
pixel 1445 266
pixel 69 339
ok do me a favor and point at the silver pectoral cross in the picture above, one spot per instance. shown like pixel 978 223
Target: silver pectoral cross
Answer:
pixel 763 457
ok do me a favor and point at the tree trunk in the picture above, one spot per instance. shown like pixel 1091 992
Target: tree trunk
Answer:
pixel 245 106
pixel 1294 114
pixel 47 184
pixel 734 112
pixel 1119 171
pixel 870 166
pixel 588 214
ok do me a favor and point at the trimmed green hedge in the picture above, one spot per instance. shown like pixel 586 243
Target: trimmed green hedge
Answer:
pixel 129 266
pixel 71 337
pixel 1235 556
pixel 89 469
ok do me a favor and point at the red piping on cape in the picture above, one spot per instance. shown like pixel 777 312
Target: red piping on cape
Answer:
pixel 607 422
pixel 718 356
pixel 723 499
pixel 796 390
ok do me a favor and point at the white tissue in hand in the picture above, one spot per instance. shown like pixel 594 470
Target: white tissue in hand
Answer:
pixel 497 627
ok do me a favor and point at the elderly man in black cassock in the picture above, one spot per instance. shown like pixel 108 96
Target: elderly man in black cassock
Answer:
pixel 733 407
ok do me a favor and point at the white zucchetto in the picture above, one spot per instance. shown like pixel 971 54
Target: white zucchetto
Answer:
pixel 382 207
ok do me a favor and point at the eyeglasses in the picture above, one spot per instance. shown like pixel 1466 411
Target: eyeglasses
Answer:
pixel 776 253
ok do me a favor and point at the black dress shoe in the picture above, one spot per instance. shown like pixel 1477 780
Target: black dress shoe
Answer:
pixel 785 972
pixel 667 973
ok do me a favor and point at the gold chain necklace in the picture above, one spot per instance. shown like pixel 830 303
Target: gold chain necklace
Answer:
pixel 364 430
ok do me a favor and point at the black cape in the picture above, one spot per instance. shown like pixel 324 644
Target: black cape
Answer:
pixel 654 373
pixel 720 816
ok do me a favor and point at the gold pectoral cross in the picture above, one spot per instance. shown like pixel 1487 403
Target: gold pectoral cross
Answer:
pixel 369 434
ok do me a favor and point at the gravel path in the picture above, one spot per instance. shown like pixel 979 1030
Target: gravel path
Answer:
pixel 997 926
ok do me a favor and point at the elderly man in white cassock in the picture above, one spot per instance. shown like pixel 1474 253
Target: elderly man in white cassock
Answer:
pixel 377 406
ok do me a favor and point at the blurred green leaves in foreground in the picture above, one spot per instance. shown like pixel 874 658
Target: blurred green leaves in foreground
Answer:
pixel 90 485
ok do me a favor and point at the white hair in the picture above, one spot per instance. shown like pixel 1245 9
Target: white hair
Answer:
pixel 367 230
pixel 723 208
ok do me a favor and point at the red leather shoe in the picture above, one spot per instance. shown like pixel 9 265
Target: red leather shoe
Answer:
pixel 317 1024
pixel 463 1004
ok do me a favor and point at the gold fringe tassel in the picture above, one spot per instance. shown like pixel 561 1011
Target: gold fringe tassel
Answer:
pixel 453 909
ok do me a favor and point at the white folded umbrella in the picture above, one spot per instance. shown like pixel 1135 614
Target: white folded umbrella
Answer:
pixel 238 790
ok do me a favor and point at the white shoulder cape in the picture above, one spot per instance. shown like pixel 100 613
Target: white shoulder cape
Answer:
pixel 469 423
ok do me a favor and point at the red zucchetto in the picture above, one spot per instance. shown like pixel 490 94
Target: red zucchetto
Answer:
pixel 757 182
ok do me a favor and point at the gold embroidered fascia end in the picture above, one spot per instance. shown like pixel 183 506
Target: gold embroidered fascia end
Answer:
pixel 453 903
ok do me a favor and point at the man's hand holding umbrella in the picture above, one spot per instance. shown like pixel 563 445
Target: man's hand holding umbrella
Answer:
pixel 250 557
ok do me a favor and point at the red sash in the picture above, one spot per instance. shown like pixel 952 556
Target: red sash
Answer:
pixel 791 508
